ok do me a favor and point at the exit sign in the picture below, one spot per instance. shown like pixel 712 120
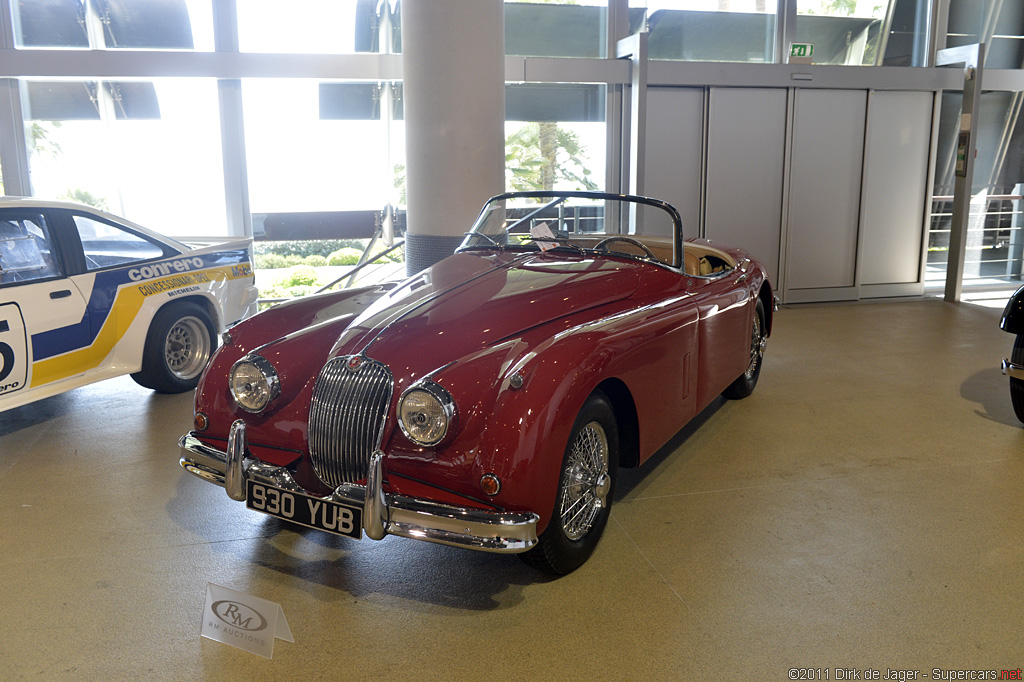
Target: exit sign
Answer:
pixel 801 49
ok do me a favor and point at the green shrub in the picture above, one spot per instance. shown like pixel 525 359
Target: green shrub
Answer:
pixel 269 261
pixel 395 256
pixel 302 290
pixel 345 256
pixel 300 275
pixel 273 291
pixel 269 255
pixel 302 249
pixel 275 261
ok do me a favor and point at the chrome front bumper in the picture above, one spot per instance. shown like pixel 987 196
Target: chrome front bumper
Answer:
pixel 1011 370
pixel 383 514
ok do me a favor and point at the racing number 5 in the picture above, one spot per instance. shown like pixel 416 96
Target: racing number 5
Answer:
pixel 6 360
pixel 14 355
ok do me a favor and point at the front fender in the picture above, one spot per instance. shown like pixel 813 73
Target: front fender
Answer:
pixel 524 436
pixel 517 434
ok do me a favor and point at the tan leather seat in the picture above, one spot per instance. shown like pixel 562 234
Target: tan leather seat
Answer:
pixel 691 265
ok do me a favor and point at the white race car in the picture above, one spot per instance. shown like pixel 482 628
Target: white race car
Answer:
pixel 86 296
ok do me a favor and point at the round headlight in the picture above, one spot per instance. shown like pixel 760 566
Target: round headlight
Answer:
pixel 426 413
pixel 254 383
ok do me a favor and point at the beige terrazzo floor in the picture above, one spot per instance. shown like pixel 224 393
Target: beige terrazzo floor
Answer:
pixel 863 509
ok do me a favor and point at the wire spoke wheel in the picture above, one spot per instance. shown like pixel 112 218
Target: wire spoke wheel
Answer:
pixel 582 501
pixel 745 383
pixel 585 481
pixel 757 344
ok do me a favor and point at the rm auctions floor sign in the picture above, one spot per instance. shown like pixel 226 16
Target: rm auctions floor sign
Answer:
pixel 244 621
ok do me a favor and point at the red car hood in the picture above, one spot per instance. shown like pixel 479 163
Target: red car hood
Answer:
pixel 465 303
pixel 470 301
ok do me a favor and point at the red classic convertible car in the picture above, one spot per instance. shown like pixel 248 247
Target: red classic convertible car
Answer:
pixel 489 401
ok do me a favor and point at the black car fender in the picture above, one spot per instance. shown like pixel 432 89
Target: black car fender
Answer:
pixel 1013 314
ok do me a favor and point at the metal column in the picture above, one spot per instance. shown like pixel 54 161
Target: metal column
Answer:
pixel 13 145
pixel 232 126
pixel 972 58
pixel 634 48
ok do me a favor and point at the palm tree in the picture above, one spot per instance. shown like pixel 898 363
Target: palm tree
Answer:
pixel 536 157
pixel 540 154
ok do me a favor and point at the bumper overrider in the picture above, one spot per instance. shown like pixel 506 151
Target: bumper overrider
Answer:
pixel 383 513
pixel 1012 370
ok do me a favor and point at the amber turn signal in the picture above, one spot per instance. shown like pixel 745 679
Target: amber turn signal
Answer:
pixel 200 421
pixel 490 484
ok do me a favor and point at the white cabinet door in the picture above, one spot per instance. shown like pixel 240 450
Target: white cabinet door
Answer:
pixel 746 159
pixel 824 194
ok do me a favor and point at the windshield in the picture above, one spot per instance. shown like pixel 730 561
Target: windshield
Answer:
pixel 580 221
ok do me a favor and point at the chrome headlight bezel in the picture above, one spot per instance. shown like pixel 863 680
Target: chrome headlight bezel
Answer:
pixel 269 389
pixel 447 414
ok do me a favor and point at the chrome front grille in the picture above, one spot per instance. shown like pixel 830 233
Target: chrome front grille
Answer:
pixel 346 418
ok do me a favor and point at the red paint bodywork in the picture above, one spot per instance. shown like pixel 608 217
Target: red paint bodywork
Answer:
pixel 662 344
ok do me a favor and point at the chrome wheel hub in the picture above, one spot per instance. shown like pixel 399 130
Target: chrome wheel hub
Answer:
pixel 187 348
pixel 586 482
pixel 757 343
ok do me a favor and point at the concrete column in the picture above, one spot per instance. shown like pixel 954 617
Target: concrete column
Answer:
pixel 232 125
pixel 453 59
pixel 14 163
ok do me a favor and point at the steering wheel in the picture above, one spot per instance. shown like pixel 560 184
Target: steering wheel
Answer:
pixel 603 245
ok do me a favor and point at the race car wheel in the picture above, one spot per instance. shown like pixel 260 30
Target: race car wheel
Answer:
pixel 1017 385
pixel 180 341
pixel 745 383
pixel 585 488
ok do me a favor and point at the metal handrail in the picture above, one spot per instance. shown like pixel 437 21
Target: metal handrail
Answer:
pixel 989 197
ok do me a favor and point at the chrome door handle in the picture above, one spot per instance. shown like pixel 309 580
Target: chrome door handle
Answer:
pixel 744 266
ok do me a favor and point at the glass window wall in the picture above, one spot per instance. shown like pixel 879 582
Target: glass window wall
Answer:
pixel 995 233
pixel 559 28
pixel 1000 25
pixel 310 148
pixel 158 163
pixel 316 26
pixel 842 31
pixel 114 24
pixel 707 30
pixel 555 137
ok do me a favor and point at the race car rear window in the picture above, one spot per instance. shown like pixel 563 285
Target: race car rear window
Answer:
pixel 107 245
pixel 26 252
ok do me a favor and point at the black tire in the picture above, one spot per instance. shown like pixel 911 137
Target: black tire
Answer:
pixel 586 484
pixel 179 344
pixel 1017 385
pixel 745 383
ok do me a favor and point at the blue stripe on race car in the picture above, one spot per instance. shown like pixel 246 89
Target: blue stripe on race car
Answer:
pixel 82 333
pixel 104 291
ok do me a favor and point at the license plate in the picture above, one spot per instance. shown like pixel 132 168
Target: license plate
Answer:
pixel 304 510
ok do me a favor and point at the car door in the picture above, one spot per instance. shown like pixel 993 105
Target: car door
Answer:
pixel 43 313
pixel 108 254
pixel 725 308
pixel 102 255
